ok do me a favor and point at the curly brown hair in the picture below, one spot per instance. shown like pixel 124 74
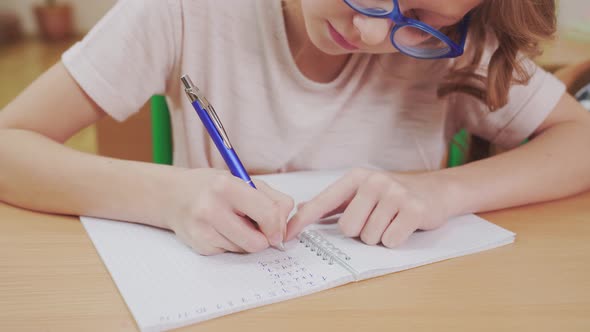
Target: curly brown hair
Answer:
pixel 518 26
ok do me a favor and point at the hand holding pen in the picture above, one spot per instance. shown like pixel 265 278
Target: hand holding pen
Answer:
pixel 253 207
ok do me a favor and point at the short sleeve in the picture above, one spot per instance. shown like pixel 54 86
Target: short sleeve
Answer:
pixel 528 106
pixel 128 56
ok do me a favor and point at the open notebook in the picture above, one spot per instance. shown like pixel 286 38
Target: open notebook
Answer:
pixel 167 285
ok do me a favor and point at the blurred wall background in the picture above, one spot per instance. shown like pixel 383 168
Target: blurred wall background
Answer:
pixel 573 19
pixel 573 14
pixel 86 12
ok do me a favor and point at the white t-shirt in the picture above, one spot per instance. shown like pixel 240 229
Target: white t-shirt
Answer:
pixel 382 111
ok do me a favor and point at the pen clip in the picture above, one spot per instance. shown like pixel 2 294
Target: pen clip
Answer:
pixel 194 94
pixel 218 125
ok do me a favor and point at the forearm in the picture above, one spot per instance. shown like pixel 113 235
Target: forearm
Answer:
pixel 551 166
pixel 40 174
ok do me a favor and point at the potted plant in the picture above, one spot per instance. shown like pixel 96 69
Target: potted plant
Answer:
pixel 54 20
pixel 10 27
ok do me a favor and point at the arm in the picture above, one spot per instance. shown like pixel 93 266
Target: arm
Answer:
pixel 39 173
pixel 204 207
pixel 552 165
pixel 387 207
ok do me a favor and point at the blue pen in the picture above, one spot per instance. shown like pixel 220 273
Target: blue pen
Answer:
pixel 213 125
pixel 215 129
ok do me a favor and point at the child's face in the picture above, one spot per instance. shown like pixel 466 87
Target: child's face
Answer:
pixel 335 28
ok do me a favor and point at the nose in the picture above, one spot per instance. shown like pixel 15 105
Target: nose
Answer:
pixel 372 30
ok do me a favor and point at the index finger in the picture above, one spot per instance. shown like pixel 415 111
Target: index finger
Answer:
pixel 330 199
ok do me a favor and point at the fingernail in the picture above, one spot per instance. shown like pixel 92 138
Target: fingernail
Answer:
pixel 277 238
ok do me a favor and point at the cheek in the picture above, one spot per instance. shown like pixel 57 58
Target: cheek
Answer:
pixel 311 8
pixel 310 17
pixel 410 36
pixel 312 14
pixel 315 15
pixel 324 9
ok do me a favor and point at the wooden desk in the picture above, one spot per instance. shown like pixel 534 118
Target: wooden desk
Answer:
pixel 52 279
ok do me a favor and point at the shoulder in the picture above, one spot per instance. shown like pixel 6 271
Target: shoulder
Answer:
pixel 148 13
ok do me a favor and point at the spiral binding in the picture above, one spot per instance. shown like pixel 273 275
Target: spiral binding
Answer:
pixel 325 249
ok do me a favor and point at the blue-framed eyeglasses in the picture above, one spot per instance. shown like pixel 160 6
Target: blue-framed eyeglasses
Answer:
pixel 412 37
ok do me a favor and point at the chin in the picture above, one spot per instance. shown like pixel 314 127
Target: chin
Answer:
pixel 333 50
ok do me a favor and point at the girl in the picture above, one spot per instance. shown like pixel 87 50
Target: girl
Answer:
pixel 303 84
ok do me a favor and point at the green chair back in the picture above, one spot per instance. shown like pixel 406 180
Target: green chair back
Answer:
pixel 458 149
pixel 161 131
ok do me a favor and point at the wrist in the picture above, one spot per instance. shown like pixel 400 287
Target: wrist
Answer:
pixel 168 195
pixel 147 193
pixel 445 192
pixel 455 196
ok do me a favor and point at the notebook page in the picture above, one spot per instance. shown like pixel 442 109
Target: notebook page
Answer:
pixel 166 285
pixel 458 237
